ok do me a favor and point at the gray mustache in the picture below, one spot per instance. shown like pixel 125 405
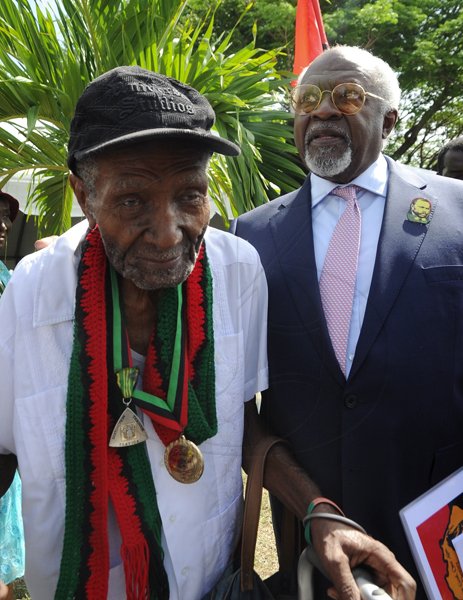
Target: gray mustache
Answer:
pixel 324 129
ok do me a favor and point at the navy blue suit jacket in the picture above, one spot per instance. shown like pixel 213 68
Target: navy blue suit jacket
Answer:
pixel 377 441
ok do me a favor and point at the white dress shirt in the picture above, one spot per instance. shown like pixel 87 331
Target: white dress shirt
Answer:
pixel 201 521
pixel 326 211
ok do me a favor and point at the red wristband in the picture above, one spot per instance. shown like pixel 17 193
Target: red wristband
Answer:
pixel 310 509
pixel 321 500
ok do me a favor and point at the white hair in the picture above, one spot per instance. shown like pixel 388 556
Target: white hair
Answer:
pixel 87 170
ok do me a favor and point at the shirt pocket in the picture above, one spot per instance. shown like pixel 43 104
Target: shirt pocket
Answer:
pixel 229 368
pixel 229 382
pixel 41 425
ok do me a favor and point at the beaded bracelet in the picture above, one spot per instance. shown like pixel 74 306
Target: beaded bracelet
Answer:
pixel 315 502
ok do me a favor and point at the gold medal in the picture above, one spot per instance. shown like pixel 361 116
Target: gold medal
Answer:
pixel 128 430
pixel 183 460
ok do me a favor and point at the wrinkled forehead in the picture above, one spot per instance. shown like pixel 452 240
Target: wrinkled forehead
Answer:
pixel 329 70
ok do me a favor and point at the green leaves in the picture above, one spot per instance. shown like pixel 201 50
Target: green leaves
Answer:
pixel 47 57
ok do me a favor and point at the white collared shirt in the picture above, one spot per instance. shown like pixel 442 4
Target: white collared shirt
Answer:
pixel 200 520
pixel 326 211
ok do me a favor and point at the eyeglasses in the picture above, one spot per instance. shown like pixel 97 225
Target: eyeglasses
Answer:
pixel 348 98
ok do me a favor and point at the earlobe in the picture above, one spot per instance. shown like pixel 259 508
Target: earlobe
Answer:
pixel 390 119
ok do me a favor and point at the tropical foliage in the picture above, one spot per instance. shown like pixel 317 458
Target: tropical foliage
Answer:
pixel 271 21
pixel 48 55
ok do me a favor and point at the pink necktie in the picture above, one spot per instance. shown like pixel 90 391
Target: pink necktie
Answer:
pixel 337 280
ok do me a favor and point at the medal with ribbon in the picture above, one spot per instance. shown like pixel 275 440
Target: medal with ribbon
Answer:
pixel 129 429
pixel 182 457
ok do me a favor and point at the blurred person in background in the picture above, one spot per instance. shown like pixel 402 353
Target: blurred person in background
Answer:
pixel 450 159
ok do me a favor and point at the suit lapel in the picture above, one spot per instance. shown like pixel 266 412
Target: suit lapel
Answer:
pixel 291 229
pixel 398 246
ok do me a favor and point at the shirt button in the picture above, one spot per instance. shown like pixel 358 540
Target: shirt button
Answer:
pixel 350 401
pixel 185 571
pixel 351 357
pixel 172 518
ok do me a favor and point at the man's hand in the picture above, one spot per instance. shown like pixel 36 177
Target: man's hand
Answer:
pixel 340 548
pixel 44 242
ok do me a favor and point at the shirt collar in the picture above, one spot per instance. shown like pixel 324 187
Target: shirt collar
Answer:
pixel 373 179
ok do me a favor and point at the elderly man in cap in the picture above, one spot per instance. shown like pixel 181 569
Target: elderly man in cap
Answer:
pixel 127 351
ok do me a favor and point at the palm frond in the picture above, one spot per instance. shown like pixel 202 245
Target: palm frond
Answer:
pixel 49 55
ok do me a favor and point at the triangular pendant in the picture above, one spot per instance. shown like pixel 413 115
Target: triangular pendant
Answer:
pixel 128 431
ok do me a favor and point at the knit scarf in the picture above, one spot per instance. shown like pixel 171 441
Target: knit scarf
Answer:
pixel 97 473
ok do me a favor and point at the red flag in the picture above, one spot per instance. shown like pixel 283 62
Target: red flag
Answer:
pixel 310 37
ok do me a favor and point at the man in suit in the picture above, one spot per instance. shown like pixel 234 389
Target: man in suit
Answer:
pixel 377 424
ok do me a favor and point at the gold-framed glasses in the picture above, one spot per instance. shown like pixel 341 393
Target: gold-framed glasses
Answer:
pixel 348 98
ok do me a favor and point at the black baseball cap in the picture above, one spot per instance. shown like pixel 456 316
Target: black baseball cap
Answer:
pixel 14 204
pixel 129 104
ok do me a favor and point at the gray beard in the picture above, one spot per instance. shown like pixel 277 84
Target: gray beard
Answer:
pixel 156 278
pixel 324 164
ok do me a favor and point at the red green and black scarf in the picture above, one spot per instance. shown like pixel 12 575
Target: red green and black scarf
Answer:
pixel 97 473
